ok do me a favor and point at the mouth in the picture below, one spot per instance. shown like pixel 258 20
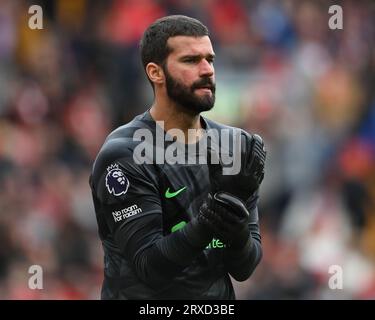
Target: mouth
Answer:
pixel 207 89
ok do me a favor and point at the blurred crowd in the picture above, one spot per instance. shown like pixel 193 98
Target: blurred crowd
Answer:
pixel 281 72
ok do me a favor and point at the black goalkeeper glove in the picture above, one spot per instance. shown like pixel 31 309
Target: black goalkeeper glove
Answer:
pixel 227 218
pixel 247 181
pixel 200 229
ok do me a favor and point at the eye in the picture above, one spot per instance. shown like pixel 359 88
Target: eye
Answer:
pixel 190 60
pixel 211 59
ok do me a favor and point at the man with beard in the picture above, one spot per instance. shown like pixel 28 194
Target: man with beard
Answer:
pixel 177 231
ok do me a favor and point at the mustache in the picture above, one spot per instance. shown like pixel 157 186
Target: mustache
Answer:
pixel 204 82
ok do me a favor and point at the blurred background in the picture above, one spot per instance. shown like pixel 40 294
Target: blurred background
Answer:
pixel 281 72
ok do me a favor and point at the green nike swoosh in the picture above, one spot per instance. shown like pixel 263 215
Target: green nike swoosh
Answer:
pixel 169 195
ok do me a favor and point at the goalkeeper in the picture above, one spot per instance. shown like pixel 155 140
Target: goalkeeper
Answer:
pixel 177 231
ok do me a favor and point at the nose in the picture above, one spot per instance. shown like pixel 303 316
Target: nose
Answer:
pixel 206 69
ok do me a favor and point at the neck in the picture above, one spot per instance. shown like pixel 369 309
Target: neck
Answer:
pixel 177 117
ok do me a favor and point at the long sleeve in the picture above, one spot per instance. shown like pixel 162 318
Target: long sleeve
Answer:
pixel 242 262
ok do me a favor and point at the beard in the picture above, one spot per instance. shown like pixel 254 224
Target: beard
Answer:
pixel 185 96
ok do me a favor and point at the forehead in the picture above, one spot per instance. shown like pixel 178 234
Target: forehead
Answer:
pixel 185 45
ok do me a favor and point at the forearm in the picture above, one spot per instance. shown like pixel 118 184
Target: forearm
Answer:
pixel 167 256
pixel 241 263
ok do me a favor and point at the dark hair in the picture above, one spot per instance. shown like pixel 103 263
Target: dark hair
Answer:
pixel 153 45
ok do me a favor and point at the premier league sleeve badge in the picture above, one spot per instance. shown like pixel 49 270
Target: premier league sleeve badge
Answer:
pixel 116 181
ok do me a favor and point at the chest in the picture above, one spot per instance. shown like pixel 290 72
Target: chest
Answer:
pixel 183 189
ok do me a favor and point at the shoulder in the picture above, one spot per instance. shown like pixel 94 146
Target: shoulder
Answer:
pixel 120 144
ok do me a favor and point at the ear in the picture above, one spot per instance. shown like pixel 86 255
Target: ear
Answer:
pixel 155 73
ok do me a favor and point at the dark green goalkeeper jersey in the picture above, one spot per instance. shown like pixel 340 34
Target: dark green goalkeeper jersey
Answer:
pixel 142 201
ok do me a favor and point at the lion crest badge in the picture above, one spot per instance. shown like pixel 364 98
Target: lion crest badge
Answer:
pixel 116 181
